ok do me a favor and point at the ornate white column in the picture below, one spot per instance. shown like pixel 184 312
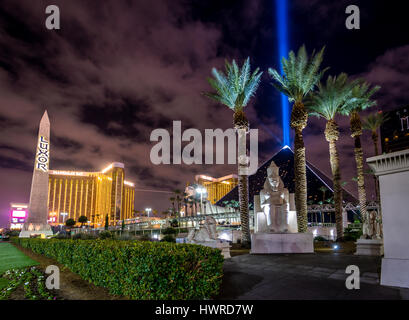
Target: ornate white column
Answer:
pixel 393 172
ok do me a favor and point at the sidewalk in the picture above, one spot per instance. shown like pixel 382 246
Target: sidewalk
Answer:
pixel 303 276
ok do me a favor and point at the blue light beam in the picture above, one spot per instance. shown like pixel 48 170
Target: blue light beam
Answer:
pixel 282 27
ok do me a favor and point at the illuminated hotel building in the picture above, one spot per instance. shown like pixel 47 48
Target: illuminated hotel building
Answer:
pixel 217 188
pixel 18 215
pixel 72 194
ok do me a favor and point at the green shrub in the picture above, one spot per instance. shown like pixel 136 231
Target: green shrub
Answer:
pixel 13 233
pixel 168 238
pixel 174 223
pixel 76 236
pixel 320 238
pixel 126 236
pixel 84 236
pixel 145 237
pixel 62 235
pixel 139 270
pixel 169 230
pixel 105 234
pixel 352 234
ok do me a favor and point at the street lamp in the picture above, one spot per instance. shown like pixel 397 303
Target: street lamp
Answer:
pixel 201 191
pixel 64 214
pixel 148 210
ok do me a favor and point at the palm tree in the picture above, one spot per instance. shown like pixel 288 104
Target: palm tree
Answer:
pixel 70 223
pixel 185 202
pixel 82 220
pixel 190 204
pixel 172 199
pixel 301 74
pixel 136 213
pixel 106 222
pixel 372 123
pixel 360 100
pixel 178 199
pixel 234 89
pixel 330 100
pixel 324 190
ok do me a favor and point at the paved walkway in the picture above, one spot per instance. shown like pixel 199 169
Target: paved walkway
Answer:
pixel 303 276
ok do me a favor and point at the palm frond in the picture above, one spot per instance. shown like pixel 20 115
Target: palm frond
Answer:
pixel 361 97
pixel 373 121
pixel 301 73
pixel 331 97
pixel 236 86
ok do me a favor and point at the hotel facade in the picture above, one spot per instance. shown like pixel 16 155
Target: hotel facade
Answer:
pixel 72 194
pixel 217 188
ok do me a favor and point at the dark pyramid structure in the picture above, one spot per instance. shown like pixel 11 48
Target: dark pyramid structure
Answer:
pixel 284 159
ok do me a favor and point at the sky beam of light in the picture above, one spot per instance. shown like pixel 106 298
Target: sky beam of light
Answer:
pixel 277 139
pixel 282 30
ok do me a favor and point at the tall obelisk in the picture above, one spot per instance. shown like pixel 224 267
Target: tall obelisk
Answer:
pixel 36 223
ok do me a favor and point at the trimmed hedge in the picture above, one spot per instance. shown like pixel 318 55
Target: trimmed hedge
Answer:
pixel 139 270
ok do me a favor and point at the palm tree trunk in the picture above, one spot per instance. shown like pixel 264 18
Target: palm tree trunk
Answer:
pixel 244 213
pixel 332 135
pixel 243 186
pixel 300 181
pixel 361 178
pixel 336 177
pixel 241 124
pixel 376 181
pixel 356 132
pixel 375 142
pixel 299 119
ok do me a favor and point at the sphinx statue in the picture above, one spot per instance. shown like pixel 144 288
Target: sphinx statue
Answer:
pixel 206 235
pixel 276 229
pixel 207 232
pixel 272 205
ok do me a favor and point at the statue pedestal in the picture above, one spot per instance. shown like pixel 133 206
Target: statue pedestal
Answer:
pixel 282 243
pixel 34 229
pixel 369 247
pixel 223 246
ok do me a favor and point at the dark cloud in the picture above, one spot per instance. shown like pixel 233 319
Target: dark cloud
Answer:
pixel 113 73
pixel 119 69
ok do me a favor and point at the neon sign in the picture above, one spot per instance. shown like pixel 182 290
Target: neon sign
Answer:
pixel 18 214
pixel 43 155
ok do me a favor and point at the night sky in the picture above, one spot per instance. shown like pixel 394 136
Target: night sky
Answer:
pixel 116 70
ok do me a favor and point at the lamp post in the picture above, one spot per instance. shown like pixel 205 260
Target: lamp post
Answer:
pixel 148 210
pixel 201 191
pixel 64 214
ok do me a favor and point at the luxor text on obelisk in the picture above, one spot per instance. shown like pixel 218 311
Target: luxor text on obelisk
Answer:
pixel 36 223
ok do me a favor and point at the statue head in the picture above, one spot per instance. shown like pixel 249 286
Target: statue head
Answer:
pixel 273 176
pixel 210 220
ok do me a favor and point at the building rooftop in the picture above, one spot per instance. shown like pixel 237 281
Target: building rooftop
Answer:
pixel 284 159
pixel 91 173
